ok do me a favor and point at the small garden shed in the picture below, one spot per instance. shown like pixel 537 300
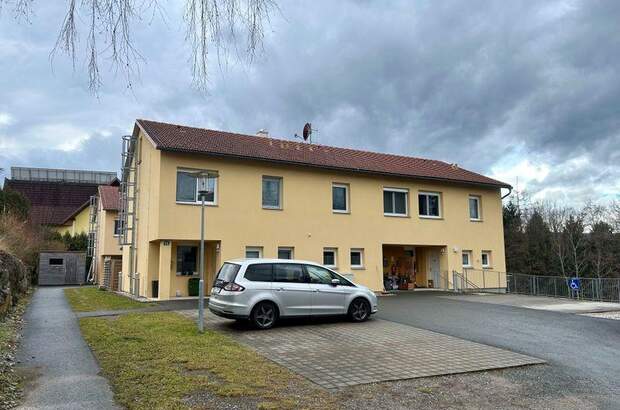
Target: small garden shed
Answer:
pixel 62 268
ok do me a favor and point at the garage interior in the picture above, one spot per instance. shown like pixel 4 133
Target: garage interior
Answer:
pixel 409 267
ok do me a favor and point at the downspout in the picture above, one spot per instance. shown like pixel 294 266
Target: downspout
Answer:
pixel 509 192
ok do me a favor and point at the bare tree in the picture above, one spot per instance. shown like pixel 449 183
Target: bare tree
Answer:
pixel 614 215
pixel 577 241
pixel 556 215
pixel 210 24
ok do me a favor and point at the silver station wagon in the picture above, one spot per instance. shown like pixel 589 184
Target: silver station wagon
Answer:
pixel 264 290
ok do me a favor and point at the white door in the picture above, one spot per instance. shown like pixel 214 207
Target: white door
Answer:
pixel 434 268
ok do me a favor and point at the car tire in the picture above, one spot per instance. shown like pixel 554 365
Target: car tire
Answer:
pixel 264 315
pixel 359 310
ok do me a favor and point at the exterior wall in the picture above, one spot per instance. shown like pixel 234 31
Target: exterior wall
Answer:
pixel 80 222
pixel 62 229
pixel 107 242
pixel 305 222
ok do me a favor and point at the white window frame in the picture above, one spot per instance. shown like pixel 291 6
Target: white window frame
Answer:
pixel 198 200
pixel 286 248
pixel 280 191
pixel 258 249
pixel 120 228
pixel 439 204
pixel 489 264
pixel 478 203
pixel 347 198
pixel 335 251
pixel 469 257
pixel 361 252
pixel 406 192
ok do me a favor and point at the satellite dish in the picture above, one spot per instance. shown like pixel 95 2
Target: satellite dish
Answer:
pixel 307 131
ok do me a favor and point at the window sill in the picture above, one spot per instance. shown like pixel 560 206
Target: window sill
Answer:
pixel 475 220
pixel 468 266
pixel 358 268
pixel 272 208
pixel 430 217
pixel 396 215
pixel 196 203
pixel 487 267
pixel 331 266
pixel 341 212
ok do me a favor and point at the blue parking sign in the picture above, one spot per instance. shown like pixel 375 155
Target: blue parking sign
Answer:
pixel 574 283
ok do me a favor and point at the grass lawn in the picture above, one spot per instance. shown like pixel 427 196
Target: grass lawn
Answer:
pixel 89 299
pixel 158 360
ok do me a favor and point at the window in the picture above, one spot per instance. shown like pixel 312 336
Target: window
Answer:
pixel 57 261
pixel 288 272
pixel 117 227
pixel 226 274
pixel 340 198
pixel 187 188
pixel 330 257
pixel 395 202
pixel 260 272
pixel 467 259
pixel 429 205
pixel 485 257
pixel 320 275
pixel 186 260
pixel 272 192
pixel 357 258
pixel 253 252
pixel 474 208
pixel 285 253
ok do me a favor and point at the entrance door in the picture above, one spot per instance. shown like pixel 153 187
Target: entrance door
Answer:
pixel 434 268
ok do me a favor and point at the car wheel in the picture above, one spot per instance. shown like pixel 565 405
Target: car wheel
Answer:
pixel 359 310
pixel 264 315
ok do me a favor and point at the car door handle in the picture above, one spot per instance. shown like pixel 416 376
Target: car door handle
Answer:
pixel 315 290
pixel 280 289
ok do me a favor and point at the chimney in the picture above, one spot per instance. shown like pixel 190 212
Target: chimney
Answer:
pixel 262 133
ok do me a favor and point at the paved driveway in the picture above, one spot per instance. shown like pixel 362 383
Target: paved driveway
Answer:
pixel 337 354
pixel 583 352
pixel 62 370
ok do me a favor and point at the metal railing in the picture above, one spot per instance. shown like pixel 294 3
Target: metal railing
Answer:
pixel 479 280
pixel 598 289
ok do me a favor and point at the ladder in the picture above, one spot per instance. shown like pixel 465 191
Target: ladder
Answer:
pixel 91 250
pixel 128 206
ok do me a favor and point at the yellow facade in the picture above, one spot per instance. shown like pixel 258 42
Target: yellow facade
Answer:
pixel 80 222
pixel 305 221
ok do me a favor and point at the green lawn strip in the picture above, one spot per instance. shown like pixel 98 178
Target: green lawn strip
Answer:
pixel 158 360
pixel 90 299
pixel 10 381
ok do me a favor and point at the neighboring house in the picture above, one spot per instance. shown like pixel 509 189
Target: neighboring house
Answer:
pixel 78 222
pixel 369 215
pixel 55 194
pixel 104 240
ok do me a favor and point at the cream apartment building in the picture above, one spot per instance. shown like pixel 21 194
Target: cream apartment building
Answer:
pixel 380 219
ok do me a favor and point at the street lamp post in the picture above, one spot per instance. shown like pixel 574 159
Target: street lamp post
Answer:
pixel 202 179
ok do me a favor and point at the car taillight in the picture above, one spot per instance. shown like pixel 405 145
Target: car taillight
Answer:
pixel 233 287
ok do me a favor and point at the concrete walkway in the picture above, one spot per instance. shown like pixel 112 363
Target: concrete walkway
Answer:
pixel 61 369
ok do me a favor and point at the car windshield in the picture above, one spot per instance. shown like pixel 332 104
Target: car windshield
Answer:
pixel 227 273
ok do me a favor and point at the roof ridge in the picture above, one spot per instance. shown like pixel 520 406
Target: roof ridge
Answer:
pixel 295 142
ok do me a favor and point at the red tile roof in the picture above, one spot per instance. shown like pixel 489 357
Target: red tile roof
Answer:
pixel 51 203
pixel 109 197
pixel 171 137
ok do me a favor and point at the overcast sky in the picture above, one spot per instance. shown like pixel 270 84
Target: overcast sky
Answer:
pixel 505 88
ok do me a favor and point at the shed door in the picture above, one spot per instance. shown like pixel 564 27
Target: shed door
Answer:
pixel 71 271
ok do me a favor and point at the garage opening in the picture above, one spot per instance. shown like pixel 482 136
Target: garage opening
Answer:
pixel 409 267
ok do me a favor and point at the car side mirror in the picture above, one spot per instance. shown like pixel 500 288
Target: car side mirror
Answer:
pixel 335 282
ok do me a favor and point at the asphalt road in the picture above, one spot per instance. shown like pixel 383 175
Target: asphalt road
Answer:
pixel 583 352
pixel 60 368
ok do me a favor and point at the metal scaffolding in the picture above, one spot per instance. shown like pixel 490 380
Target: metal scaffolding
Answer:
pixel 91 250
pixel 128 207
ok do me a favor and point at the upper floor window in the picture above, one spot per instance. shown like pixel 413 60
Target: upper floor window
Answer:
pixel 429 205
pixel 395 201
pixel 187 188
pixel 340 198
pixel 272 192
pixel 117 227
pixel 474 208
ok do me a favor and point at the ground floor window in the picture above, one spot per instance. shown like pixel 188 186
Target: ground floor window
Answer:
pixel 285 253
pixel 187 257
pixel 467 259
pixel 357 258
pixel 485 257
pixel 330 257
pixel 253 252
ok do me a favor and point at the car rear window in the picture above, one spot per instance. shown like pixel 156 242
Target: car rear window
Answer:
pixel 259 272
pixel 226 274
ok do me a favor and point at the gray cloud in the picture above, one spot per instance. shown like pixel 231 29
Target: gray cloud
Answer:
pixel 504 88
